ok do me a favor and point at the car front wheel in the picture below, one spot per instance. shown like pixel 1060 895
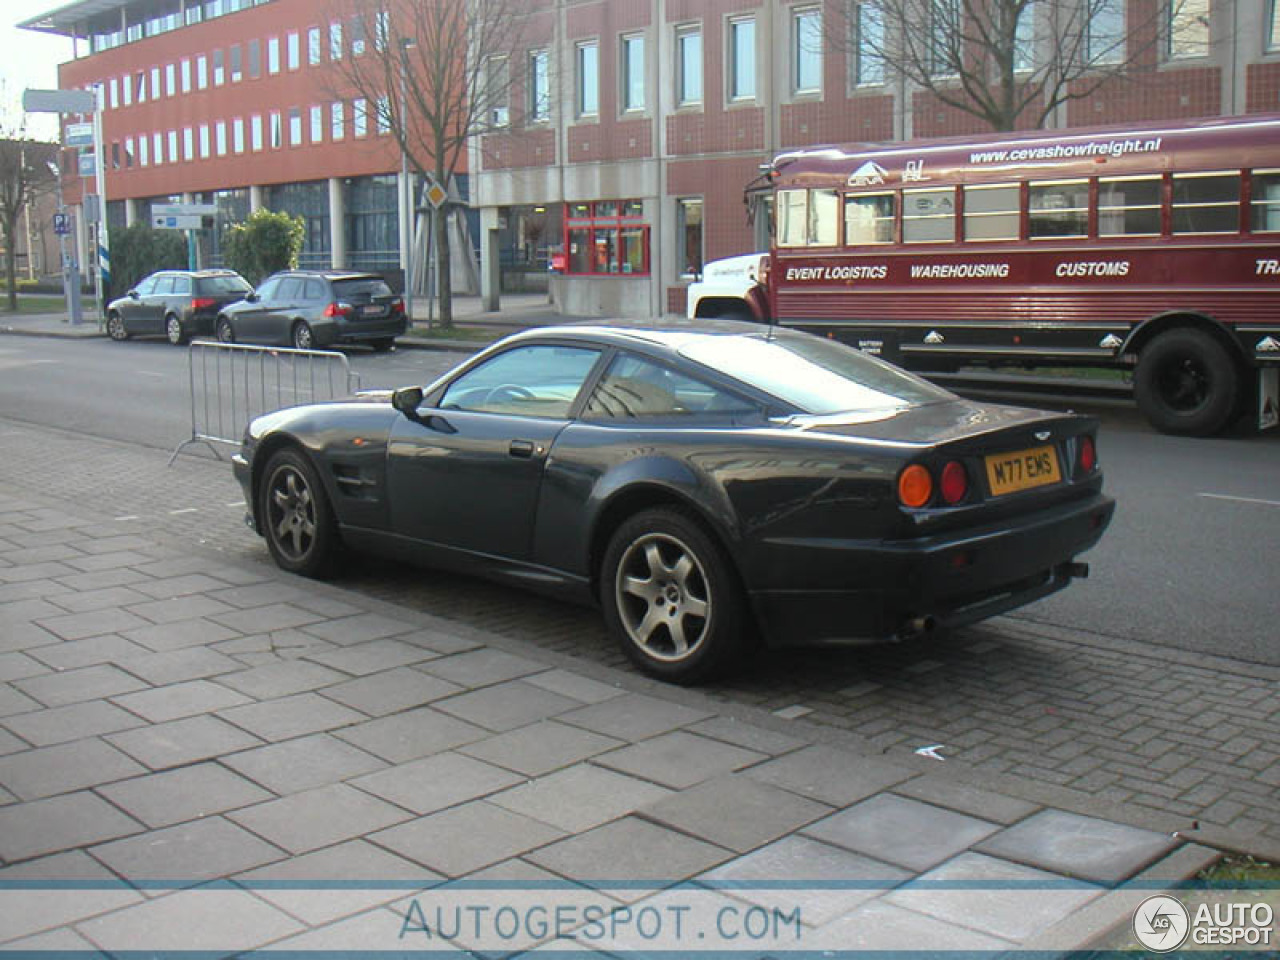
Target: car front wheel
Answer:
pixel 116 329
pixel 671 597
pixel 296 517
pixel 224 331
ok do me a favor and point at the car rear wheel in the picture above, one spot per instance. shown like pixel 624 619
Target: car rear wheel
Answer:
pixel 302 337
pixel 1186 383
pixel 224 331
pixel 382 346
pixel 116 329
pixel 671 597
pixel 296 517
pixel 173 330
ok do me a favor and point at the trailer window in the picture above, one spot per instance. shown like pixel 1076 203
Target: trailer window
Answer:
pixel 868 218
pixel 1059 208
pixel 1206 203
pixel 824 218
pixel 991 212
pixel 792 205
pixel 1266 201
pixel 928 216
pixel 1129 207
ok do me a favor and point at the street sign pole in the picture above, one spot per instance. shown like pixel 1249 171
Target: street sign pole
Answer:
pixel 103 283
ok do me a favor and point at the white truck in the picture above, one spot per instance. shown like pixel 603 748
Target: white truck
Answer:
pixel 733 288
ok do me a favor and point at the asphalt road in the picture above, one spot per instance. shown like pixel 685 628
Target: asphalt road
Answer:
pixel 1188 563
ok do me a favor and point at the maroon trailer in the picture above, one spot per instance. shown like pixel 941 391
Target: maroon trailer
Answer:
pixel 1151 247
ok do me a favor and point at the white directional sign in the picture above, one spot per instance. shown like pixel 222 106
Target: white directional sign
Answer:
pixel 78 135
pixel 181 216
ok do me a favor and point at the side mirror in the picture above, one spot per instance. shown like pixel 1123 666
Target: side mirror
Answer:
pixel 251 298
pixel 133 295
pixel 407 400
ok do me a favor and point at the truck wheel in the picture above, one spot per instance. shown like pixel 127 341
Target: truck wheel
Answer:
pixel 1187 384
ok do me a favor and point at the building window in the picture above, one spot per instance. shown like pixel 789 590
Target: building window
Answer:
pixel 944 38
pixel 255 59
pixel 170 79
pixel 381 30
pixel 219 68
pixel 497 91
pixel 295 126
pixel 337 117
pixel 143 151
pixel 237 64
pixel 237 135
pixel 313 46
pixel 742 59
pixel 128 153
pixel 588 77
pixel 1105 39
pixel 382 116
pixel 185 71
pixel 608 237
pixel 1188 28
pixel 255 132
pixel 220 138
pixel 688 66
pixel 188 144
pixel 273 55
pixel 202 72
pixel 126 90
pixel 806 50
pixel 689 235
pixel 294 51
pixel 155 83
pixel 633 72
pixel 277 130
pixel 335 41
pixel 868 45
pixel 157 148
pixel 1024 39
pixel 539 87
pixel 204 141
pixel 357 37
pixel 113 88
pixel 317 124
pixel 360 118
pixel 1273 26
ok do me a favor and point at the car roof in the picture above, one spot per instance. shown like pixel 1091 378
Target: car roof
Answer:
pixel 332 274
pixel 669 335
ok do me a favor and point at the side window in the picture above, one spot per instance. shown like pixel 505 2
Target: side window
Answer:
pixel 533 381
pixel 634 387
pixel 1266 201
pixel 182 286
pixel 267 290
pixel 991 212
pixel 290 289
pixel 1058 208
pixel 868 218
pixel 928 216
pixel 316 291
pixel 163 287
pixel 146 287
pixel 1206 203
pixel 1129 206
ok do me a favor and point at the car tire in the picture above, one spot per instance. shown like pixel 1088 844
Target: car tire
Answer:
pixel 116 329
pixel 224 332
pixel 302 337
pixel 1187 384
pixel 384 345
pixel 672 598
pixel 296 517
pixel 173 330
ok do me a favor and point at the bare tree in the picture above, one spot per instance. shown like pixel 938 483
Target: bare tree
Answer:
pixel 1012 63
pixel 435 72
pixel 23 172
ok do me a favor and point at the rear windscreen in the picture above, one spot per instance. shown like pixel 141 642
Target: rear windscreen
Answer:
pixel 359 288
pixel 222 286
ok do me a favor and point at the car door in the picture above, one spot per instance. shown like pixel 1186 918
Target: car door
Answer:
pixel 134 309
pixel 251 319
pixel 285 309
pixel 466 472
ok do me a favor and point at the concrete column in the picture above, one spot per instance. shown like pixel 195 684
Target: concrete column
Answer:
pixel 130 211
pixel 490 270
pixel 403 204
pixel 257 198
pixel 337 223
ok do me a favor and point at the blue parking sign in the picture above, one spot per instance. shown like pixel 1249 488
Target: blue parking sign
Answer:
pixel 62 224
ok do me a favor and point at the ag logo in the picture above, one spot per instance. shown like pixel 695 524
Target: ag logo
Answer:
pixel 1161 924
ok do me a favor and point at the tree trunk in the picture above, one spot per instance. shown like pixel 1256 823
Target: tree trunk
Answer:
pixel 11 267
pixel 444 275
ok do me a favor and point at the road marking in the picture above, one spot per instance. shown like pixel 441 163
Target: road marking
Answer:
pixel 174 513
pixel 152 373
pixel 132 516
pixel 234 505
pixel 1223 496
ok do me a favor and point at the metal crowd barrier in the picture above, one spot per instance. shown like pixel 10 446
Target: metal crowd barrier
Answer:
pixel 232 383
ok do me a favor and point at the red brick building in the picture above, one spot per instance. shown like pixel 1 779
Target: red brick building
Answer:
pixel 634 127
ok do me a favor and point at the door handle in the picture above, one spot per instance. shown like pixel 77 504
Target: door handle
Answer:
pixel 521 448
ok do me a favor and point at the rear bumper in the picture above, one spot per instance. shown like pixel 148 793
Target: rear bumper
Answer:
pixel 896 587
pixel 360 331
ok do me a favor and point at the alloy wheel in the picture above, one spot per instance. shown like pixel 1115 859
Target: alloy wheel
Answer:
pixel 662 597
pixel 291 513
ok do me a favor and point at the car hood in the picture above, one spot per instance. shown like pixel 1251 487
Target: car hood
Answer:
pixel 925 424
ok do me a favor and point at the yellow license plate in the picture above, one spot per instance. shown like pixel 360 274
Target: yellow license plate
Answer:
pixel 1022 470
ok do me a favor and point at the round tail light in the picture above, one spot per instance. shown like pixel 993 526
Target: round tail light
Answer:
pixel 915 486
pixel 1088 455
pixel 955 483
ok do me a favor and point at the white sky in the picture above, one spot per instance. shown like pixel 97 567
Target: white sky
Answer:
pixel 28 59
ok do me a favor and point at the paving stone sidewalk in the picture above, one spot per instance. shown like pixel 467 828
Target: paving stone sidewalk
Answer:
pixel 170 718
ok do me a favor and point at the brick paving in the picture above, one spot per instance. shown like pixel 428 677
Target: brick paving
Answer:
pixel 1193 738
pixel 173 710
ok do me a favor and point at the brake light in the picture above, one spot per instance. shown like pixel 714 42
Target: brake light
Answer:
pixel 397 306
pixel 203 303
pixel 915 486
pixel 955 483
pixel 338 310
pixel 1088 455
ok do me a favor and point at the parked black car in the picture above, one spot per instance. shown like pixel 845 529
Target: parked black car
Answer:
pixel 696 480
pixel 180 304
pixel 316 308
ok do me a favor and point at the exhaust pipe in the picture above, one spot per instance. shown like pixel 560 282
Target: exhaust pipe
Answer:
pixel 915 627
pixel 1074 570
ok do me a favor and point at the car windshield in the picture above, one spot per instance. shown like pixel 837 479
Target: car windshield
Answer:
pixel 222 286
pixel 360 288
pixel 817 376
